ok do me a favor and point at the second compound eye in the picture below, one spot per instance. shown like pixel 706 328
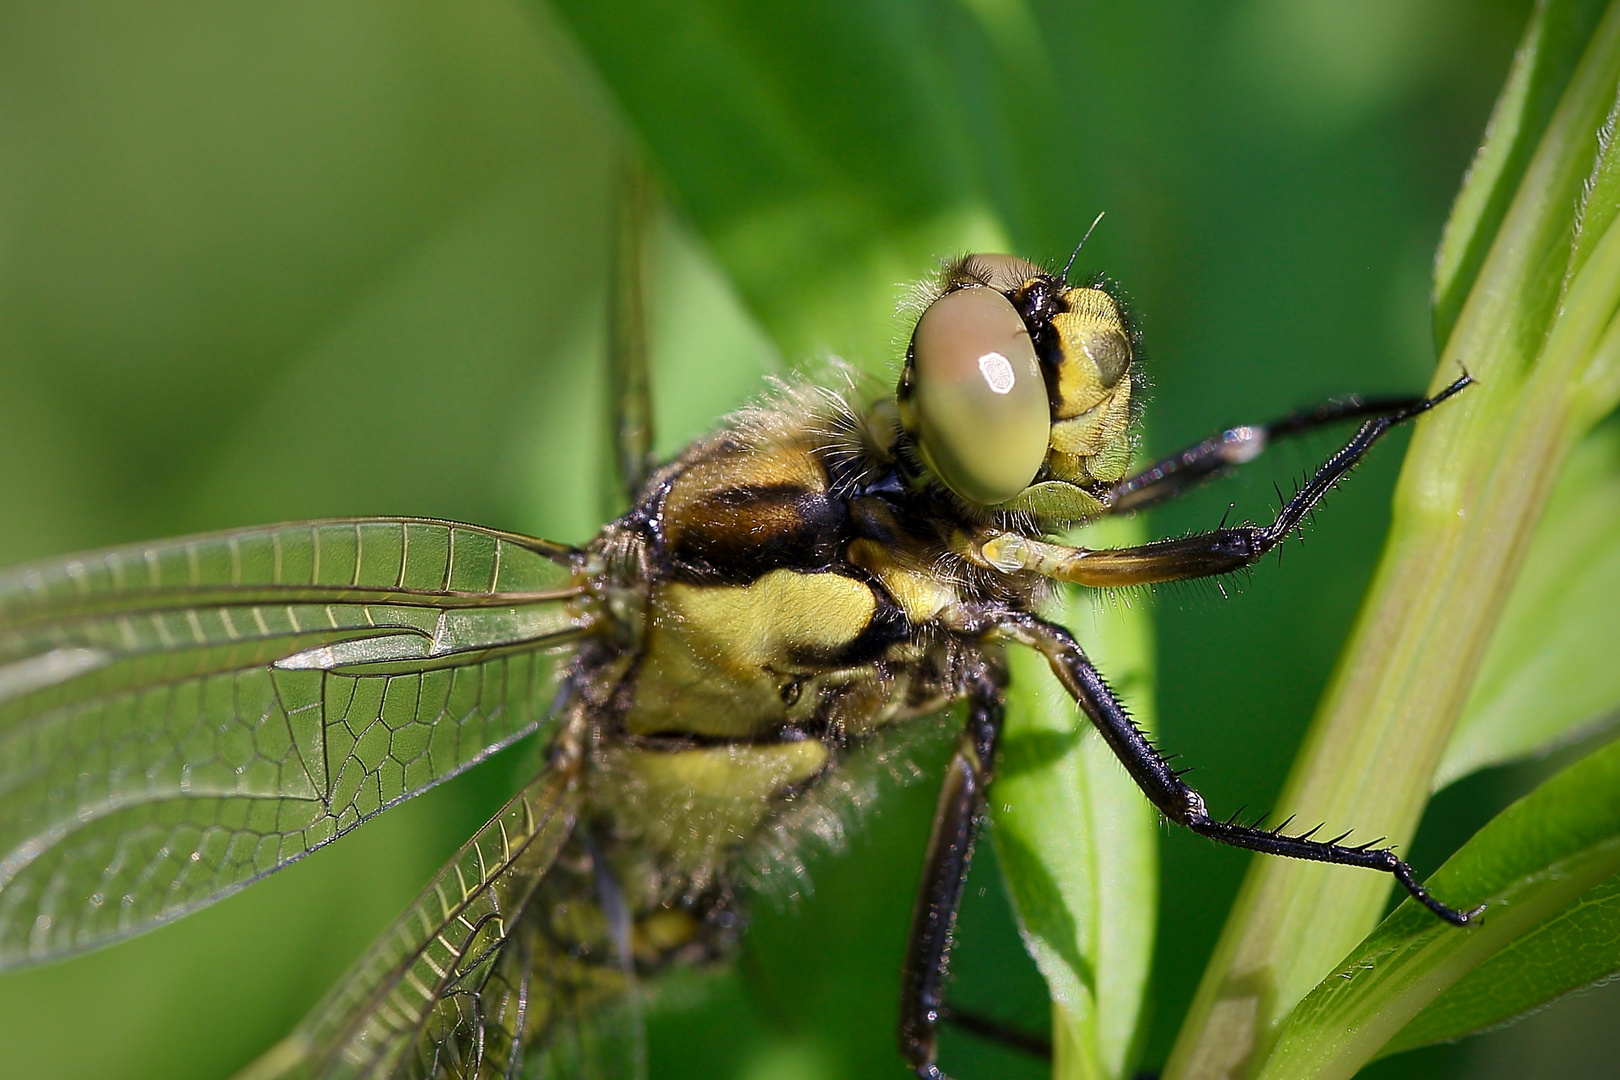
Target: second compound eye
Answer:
pixel 979 410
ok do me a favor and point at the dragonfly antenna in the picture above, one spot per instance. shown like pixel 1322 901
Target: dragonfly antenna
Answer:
pixel 1075 254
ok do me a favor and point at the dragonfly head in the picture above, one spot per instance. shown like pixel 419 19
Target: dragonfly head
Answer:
pixel 1017 388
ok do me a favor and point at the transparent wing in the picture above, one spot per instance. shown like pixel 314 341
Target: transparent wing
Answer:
pixel 578 944
pixel 179 718
pixel 491 961
pixel 560 1002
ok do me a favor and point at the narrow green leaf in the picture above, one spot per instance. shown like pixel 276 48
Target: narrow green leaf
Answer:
pixel 1552 45
pixel 1600 197
pixel 1577 947
pixel 1532 862
pixel 1076 840
pixel 1548 677
pixel 1596 393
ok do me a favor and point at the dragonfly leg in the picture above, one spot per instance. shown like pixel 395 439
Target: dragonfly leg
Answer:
pixel 945 871
pixel 1173 474
pixel 1176 800
pixel 1207 554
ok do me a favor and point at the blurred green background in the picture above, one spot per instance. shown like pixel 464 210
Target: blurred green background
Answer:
pixel 263 261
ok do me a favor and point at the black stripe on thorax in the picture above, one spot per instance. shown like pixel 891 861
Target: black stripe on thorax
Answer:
pixel 737 534
pixel 888 626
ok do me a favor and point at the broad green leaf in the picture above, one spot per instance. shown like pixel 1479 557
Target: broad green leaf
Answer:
pixel 1543 347
pixel 1549 676
pixel 1552 45
pixel 1531 863
pixel 1076 839
pixel 828 153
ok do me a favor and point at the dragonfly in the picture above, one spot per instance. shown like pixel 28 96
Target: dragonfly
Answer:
pixel 834 564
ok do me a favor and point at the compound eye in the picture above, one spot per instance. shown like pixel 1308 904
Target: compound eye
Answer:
pixel 979 402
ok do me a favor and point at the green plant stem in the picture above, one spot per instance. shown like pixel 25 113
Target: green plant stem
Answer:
pixel 1470 494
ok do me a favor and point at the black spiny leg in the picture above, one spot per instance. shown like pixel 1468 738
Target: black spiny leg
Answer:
pixel 1175 799
pixel 945 870
pixel 1172 475
pixel 1208 554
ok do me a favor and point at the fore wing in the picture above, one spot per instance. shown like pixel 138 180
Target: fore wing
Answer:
pixel 182 717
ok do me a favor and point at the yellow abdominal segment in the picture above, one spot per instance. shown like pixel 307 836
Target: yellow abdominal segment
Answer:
pixel 697 804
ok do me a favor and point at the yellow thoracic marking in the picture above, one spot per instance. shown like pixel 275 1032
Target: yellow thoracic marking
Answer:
pixel 920 592
pixel 768 622
pixel 719 657
pixel 735 505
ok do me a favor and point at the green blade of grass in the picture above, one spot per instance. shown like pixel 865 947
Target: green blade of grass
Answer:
pixel 1552 46
pixel 1549 676
pixel 1544 680
pixel 1077 841
pixel 1470 495
pixel 1529 864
